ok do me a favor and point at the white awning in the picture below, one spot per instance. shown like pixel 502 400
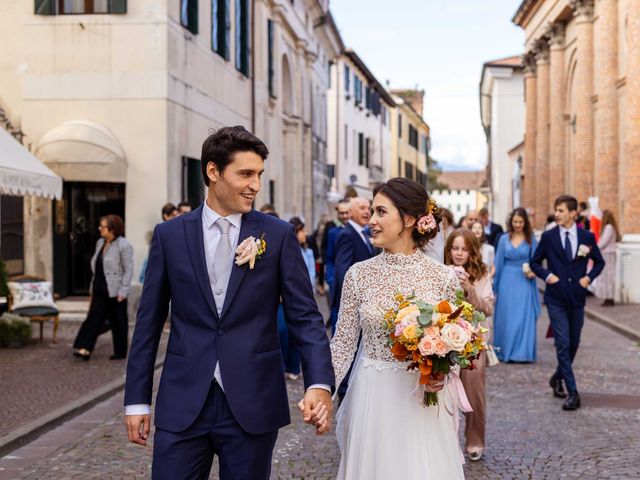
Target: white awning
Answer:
pixel 21 173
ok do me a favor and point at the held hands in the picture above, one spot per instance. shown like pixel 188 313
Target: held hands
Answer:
pixel 317 409
pixel 138 427
pixel 585 281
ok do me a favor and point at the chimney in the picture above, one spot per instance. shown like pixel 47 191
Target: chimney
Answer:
pixel 413 97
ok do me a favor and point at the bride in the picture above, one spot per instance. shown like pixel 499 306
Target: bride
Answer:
pixel 383 430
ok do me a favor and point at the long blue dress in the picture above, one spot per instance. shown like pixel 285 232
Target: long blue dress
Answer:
pixel 518 303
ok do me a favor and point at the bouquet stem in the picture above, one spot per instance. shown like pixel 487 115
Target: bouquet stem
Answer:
pixel 430 399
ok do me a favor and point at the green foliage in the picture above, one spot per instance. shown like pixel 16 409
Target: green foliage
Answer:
pixel 4 278
pixel 15 330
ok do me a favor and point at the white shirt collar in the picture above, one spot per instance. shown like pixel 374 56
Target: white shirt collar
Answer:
pixel 358 228
pixel 573 230
pixel 209 217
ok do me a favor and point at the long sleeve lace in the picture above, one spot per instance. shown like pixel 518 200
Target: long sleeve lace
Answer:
pixel 345 340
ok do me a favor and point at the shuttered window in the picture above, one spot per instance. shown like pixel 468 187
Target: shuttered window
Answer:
pixel 79 7
pixel 189 15
pixel 271 72
pixel 220 27
pixel 242 36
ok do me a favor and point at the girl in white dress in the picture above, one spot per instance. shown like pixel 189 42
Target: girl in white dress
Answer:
pixel 383 430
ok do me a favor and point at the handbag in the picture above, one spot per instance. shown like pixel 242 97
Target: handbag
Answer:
pixel 492 358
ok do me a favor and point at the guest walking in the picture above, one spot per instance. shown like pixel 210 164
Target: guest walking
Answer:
pixel 492 230
pixel 609 236
pixel 486 249
pixel 461 251
pixel 112 268
pixel 567 250
pixel 517 305
pixel 290 353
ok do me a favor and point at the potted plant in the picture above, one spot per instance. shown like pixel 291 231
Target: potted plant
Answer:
pixel 15 331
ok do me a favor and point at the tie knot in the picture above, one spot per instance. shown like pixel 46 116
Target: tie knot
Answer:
pixel 223 225
pixel 566 234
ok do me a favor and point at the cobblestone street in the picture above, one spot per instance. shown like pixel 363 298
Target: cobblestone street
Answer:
pixel 529 436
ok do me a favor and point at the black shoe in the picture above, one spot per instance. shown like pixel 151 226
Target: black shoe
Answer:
pixel 558 388
pixel 572 402
pixel 83 356
pixel 117 357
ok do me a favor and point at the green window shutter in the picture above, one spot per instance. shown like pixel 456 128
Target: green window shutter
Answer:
pixel 227 29
pixel 45 7
pixel 117 6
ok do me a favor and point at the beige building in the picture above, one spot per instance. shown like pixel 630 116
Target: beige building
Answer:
pixel 465 191
pixel 582 84
pixel 410 136
pixel 359 127
pixel 116 97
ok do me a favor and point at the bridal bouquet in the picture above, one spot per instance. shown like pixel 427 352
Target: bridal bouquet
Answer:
pixel 434 337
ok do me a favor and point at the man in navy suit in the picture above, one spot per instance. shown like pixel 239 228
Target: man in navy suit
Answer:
pixel 567 250
pixel 492 231
pixel 222 390
pixel 352 246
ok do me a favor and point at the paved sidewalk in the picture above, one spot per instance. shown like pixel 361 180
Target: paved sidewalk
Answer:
pixel 623 318
pixel 528 437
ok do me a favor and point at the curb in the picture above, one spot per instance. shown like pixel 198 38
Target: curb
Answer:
pixel 27 433
pixel 616 327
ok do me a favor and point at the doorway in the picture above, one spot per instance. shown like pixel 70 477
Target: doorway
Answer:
pixel 75 231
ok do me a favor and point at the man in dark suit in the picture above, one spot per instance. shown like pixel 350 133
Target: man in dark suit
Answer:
pixel 567 250
pixel 492 231
pixel 222 390
pixel 352 246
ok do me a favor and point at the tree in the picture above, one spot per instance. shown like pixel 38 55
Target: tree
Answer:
pixel 433 172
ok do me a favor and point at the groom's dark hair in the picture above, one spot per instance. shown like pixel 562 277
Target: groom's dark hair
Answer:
pixel 221 144
pixel 570 202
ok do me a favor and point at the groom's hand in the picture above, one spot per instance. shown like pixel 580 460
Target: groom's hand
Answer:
pixel 318 409
pixel 138 427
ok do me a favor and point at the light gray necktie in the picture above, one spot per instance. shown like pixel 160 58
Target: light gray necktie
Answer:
pixel 222 261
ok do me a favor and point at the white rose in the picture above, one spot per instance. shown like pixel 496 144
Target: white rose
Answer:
pixel 454 336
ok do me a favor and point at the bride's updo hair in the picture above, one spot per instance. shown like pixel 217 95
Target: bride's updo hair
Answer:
pixel 412 199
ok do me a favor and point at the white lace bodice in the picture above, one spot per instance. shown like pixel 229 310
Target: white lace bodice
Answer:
pixel 367 293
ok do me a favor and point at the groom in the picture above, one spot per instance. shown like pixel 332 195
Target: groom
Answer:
pixel 567 250
pixel 222 390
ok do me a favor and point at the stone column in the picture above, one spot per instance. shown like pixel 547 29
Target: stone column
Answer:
pixel 605 75
pixel 630 218
pixel 584 144
pixel 530 87
pixel 542 133
pixel 557 160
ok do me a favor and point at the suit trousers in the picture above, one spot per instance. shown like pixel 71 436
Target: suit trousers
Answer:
pixel 188 455
pixel 474 382
pixel 105 308
pixel 566 322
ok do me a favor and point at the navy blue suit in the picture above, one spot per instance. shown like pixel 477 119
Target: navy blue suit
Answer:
pixel 243 339
pixel 565 299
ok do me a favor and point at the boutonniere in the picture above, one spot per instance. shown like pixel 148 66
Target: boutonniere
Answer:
pixel 250 250
pixel 583 250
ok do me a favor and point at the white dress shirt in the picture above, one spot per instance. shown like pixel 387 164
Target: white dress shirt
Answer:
pixel 211 236
pixel 573 238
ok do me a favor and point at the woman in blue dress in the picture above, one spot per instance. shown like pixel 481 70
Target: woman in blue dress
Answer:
pixel 517 302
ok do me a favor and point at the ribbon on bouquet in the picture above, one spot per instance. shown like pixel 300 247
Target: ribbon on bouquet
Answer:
pixel 454 378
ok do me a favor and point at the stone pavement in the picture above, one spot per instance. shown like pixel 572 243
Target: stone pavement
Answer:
pixel 528 436
pixel 42 377
pixel 626 316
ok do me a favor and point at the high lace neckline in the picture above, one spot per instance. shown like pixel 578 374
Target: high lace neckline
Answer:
pixel 401 259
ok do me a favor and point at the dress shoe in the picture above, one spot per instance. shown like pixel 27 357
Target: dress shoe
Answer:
pixel 558 388
pixel 572 402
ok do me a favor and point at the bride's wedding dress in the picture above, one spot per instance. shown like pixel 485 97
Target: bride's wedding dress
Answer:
pixel 383 431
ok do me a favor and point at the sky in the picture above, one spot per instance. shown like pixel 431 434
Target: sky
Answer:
pixel 438 46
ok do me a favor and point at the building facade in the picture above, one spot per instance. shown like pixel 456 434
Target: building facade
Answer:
pixel 465 191
pixel 502 110
pixel 359 127
pixel 582 83
pixel 117 97
pixel 410 137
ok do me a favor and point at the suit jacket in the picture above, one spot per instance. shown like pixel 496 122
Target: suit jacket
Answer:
pixel 494 234
pixel 330 253
pixel 568 290
pixel 243 338
pixel 349 249
pixel 117 263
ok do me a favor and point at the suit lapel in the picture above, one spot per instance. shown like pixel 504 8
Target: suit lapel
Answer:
pixel 195 245
pixel 250 226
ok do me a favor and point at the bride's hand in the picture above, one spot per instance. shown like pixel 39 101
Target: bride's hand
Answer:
pixel 435 384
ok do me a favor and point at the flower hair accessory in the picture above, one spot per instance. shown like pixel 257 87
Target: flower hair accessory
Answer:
pixel 426 224
pixel 432 206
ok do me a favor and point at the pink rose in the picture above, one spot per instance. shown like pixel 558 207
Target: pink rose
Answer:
pixel 432 332
pixel 427 346
pixel 441 348
pixel 455 337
